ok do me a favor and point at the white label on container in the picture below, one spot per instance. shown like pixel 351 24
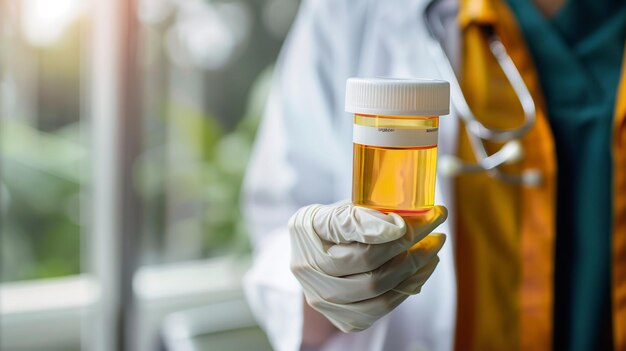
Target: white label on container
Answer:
pixel 394 137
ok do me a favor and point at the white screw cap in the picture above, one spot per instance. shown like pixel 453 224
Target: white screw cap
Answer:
pixel 398 97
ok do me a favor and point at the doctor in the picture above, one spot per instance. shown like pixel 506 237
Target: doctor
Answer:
pixel 526 265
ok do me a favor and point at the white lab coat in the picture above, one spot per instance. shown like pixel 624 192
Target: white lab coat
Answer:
pixel 303 155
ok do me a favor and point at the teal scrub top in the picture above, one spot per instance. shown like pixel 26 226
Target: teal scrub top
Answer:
pixel 578 55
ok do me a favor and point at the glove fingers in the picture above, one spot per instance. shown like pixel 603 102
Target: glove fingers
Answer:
pixel 355 257
pixel 432 242
pixel 357 264
pixel 414 283
pixel 359 315
pixel 363 286
pixel 345 223
pixel 424 223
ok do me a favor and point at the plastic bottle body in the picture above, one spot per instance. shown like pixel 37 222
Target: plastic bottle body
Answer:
pixel 395 162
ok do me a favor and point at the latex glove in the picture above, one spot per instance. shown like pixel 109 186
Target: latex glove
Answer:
pixel 356 264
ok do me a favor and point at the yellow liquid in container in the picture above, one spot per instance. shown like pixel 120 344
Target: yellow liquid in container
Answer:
pixel 398 177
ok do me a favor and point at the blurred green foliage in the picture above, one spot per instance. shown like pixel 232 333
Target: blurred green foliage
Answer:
pixel 211 182
pixel 42 175
pixel 40 203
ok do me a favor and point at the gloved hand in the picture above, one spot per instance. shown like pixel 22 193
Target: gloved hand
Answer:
pixel 357 264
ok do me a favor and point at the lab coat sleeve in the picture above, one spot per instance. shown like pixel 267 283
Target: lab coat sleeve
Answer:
pixel 293 163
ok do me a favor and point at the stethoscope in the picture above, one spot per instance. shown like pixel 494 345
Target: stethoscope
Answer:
pixel 477 132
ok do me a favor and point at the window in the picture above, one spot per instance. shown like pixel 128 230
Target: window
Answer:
pixel 125 131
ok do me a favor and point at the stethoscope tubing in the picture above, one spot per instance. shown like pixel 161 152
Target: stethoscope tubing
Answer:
pixel 477 132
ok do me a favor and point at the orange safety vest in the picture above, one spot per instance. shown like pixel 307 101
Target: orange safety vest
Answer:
pixel 506 233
